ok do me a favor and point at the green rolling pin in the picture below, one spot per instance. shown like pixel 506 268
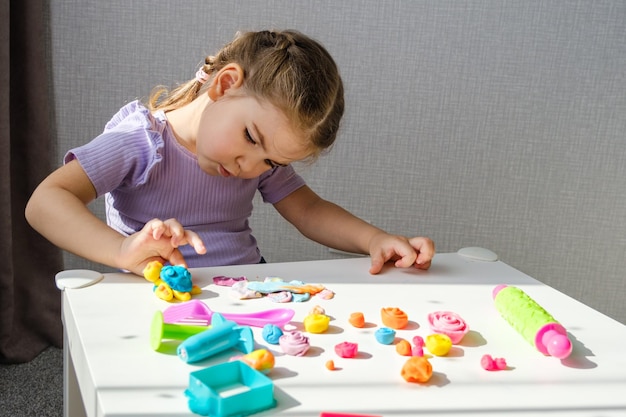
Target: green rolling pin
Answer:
pixel 530 320
pixel 160 330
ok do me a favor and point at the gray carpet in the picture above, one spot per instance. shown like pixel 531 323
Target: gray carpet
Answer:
pixel 35 388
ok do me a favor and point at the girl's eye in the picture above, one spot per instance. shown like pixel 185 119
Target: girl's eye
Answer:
pixel 273 164
pixel 249 137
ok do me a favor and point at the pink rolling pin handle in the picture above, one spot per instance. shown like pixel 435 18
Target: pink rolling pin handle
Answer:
pixel 552 340
pixel 497 289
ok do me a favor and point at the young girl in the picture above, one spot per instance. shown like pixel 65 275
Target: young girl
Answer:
pixel 196 155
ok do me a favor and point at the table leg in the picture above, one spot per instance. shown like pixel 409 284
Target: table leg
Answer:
pixel 72 400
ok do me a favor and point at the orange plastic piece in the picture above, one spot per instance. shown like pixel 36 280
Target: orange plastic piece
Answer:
pixel 330 365
pixel 417 369
pixel 404 348
pixel 357 319
pixel 394 317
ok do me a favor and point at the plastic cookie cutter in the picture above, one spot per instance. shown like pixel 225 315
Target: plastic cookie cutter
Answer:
pixel 223 334
pixel 196 310
pixel 160 330
pixel 229 389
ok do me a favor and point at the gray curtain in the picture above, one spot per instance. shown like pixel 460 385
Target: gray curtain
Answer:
pixel 30 310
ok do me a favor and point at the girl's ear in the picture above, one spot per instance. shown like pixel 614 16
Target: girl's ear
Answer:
pixel 231 76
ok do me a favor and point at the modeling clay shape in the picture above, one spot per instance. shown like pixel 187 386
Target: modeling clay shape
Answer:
pixel 171 282
pixel 490 364
pixel 159 330
pixel 394 317
pixel 316 323
pixel 325 294
pixel 347 349
pixel 196 310
pixel 294 343
pixel 261 359
pixel 300 297
pixel 223 334
pixel 417 351
pixel 208 392
pixel 418 341
pixel 240 291
pixel 330 365
pixel 227 281
pixel 317 310
pixel 438 344
pixel 448 323
pixel 417 369
pixel 385 335
pixel 403 347
pixel 357 319
pixel 272 284
pixel 271 333
pixel 532 321
pixel 280 297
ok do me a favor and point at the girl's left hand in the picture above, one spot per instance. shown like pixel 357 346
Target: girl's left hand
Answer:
pixel 417 251
pixel 157 241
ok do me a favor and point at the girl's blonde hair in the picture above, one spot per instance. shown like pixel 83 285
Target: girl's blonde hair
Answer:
pixel 287 68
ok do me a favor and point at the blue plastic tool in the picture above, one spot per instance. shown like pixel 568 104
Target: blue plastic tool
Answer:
pixel 250 391
pixel 223 334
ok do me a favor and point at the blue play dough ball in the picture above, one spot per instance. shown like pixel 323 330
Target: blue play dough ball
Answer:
pixel 272 333
pixel 177 277
pixel 385 335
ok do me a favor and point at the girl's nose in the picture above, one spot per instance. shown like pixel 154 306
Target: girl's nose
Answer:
pixel 251 167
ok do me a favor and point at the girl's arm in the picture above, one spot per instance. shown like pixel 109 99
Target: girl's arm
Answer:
pixel 331 225
pixel 58 210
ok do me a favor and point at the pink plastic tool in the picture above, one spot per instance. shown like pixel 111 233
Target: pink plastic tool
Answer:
pixel 197 312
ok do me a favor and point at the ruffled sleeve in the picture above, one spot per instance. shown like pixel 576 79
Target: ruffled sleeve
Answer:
pixel 126 151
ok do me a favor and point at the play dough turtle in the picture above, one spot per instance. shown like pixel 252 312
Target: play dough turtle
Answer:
pixel 171 282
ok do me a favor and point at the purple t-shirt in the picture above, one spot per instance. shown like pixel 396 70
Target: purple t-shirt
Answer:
pixel 144 173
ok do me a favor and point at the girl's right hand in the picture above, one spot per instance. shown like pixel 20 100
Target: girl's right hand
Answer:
pixel 157 241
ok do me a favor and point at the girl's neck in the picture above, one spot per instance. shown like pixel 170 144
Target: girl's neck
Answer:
pixel 185 120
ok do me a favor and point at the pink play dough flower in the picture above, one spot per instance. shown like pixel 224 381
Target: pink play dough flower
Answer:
pixel 448 323
pixel 294 343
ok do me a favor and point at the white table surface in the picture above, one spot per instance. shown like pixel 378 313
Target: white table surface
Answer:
pixel 108 324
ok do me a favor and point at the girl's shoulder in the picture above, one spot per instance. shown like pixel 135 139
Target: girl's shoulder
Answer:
pixel 134 115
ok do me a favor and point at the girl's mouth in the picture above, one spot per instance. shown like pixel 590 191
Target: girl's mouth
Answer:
pixel 223 171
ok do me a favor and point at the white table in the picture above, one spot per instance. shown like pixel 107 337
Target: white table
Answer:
pixel 112 371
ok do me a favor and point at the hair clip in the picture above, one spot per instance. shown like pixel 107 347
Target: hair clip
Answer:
pixel 202 76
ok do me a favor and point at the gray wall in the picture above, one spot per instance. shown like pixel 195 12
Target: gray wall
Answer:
pixel 486 123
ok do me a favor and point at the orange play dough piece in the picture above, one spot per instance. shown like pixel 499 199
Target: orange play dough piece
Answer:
pixel 404 348
pixel 394 317
pixel 357 320
pixel 417 369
